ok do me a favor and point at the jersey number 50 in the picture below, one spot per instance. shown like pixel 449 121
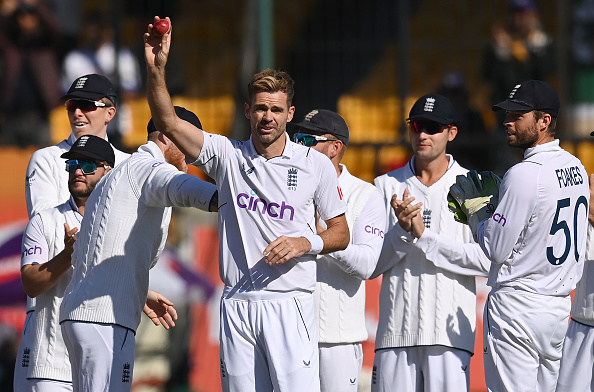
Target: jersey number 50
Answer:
pixel 562 225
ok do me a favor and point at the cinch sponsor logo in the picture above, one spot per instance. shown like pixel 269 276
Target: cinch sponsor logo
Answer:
pixel 157 164
pixel 31 251
pixel 569 176
pixel 252 202
pixel 371 229
pixel 500 219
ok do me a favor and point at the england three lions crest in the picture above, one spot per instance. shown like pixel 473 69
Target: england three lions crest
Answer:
pixel 292 179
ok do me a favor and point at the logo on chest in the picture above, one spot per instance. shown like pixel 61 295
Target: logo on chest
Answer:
pixel 427 218
pixel 253 202
pixel 292 179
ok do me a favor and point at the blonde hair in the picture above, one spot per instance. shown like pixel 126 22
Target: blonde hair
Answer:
pixel 272 81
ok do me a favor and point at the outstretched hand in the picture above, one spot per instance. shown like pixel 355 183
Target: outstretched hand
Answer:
pixel 156 47
pixel 160 310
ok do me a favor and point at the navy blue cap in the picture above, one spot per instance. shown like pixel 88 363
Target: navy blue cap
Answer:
pixel 433 107
pixel 531 95
pixel 182 113
pixel 93 147
pixel 325 121
pixel 92 87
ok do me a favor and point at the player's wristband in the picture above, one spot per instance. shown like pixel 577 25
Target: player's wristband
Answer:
pixel 317 244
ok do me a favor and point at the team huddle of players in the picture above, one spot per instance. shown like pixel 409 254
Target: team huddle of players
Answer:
pixel 298 237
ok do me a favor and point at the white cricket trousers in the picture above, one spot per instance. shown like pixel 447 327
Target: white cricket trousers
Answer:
pixel 577 363
pixel 340 366
pixel 101 355
pixel 268 342
pixel 40 385
pixel 523 340
pixel 420 369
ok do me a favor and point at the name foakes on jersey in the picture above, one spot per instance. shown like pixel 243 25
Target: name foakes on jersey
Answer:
pixel 569 176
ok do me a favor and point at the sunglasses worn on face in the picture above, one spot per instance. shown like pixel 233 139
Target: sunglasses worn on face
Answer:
pixel 87 166
pixel 429 127
pixel 310 140
pixel 85 105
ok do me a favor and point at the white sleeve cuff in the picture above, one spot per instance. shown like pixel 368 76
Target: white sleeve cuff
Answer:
pixel 317 244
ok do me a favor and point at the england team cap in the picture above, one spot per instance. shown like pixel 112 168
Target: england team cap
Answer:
pixel 93 147
pixel 433 107
pixel 93 87
pixel 531 95
pixel 325 121
pixel 182 113
pixel 522 5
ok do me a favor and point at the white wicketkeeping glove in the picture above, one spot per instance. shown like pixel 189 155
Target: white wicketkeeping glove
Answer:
pixel 474 197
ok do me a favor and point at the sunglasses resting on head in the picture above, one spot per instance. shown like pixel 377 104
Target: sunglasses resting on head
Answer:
pixel 87 166
pixel 310 140
pixel 86 105
pixel 429 127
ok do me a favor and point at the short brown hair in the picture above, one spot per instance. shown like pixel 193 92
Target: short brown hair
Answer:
pixel 272 81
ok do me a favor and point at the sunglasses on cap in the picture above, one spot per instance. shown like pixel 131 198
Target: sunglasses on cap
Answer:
pixel 310 140
pixel 87 166
pixel 429 127
pixel 84 105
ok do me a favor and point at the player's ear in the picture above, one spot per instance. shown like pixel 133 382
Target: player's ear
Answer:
pixel 246 108
pixel 163 139
pixel 110 113
pixel 337 147
pixel 452 133
pixel 546 120
pixel 291 113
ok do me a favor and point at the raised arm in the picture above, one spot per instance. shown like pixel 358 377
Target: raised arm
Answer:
pixel 187 137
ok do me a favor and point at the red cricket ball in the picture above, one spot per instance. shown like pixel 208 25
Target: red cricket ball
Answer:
pixel 161 27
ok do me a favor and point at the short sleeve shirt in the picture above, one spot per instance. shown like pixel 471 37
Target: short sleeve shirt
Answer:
pixel 35 249
pixel 262 199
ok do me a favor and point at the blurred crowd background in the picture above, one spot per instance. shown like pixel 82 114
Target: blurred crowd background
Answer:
pixel 369 60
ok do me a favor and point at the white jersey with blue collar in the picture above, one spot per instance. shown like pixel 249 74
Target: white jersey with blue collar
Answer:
pixel 536 238
pixel 262 199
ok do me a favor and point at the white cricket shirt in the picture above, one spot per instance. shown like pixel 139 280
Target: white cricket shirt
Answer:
pixel 48 354
pixel 537 236
pixel 261 199
pixel 46 183
pixel 428 286
pixel 339 298
pixel 582 306
pixel 122 235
